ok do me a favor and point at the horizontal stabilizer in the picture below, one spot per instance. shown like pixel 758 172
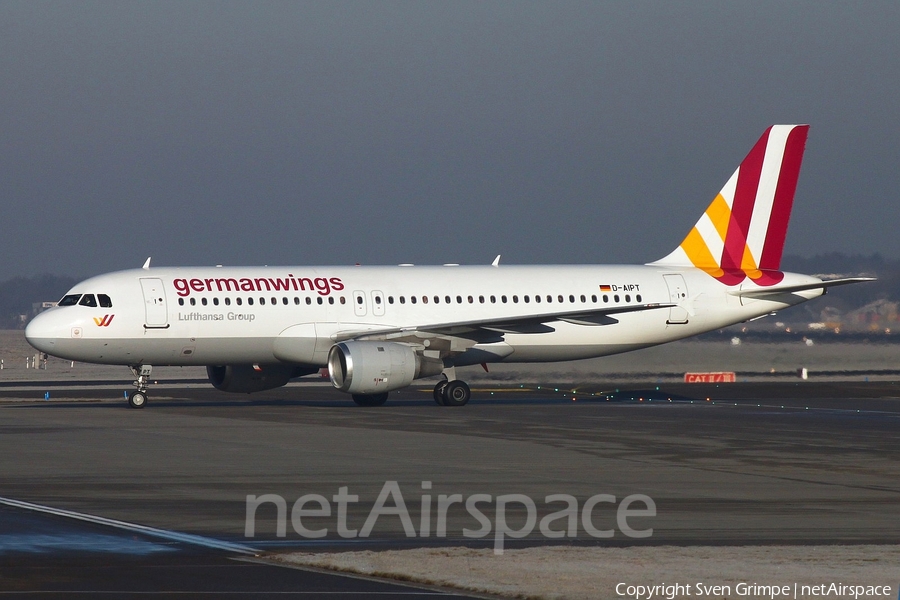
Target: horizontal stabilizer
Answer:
pixel 789 289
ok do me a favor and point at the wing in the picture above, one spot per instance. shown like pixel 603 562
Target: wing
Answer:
pixel 486 330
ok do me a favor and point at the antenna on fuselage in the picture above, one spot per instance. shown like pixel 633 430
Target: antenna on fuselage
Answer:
pixel 496 262
pixel 146 264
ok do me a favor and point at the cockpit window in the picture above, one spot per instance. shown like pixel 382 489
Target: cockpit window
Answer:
pixel 105 302
pixel 69 300
pixel 88 300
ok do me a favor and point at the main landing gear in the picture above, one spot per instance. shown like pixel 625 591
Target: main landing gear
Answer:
pixel 138 398
pixel 451 393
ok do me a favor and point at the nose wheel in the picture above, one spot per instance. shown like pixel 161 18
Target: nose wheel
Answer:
pixel 138 398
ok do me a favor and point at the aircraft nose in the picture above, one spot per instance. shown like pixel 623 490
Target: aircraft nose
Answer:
pixel 42 333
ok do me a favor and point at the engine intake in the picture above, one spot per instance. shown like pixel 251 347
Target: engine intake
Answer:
pixel 245 379
pixel 376 367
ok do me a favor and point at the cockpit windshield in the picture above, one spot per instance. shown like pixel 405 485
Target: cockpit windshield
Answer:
pixel 69 300
pixel 89 300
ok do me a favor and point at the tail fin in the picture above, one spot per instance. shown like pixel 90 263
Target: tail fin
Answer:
pixel 742 232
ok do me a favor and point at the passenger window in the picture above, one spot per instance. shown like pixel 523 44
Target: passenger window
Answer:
pixel 515 299
pixel 527 299
pixel 250 301
pixel 447 299
pixel 344 300
pixel 571 298
pixel 493 299
pixel 308 300
pixel 330 299
pixel 605 298
pixel 203 301
pixel 274 300
pixel 638 298
pixel 437 299
pixel 627 297
pixel 616 297
pixel 238 300
pixel 181 302
pixel 471 299
pixel 390 299
pixel 70 300
pixel 284 300
pixel 88 300
pixel 594 298
pixel 319 301
pixel 216 301
pixel 481 299
pixel 262 301
pixel 503 299
pixel 227 301
pixel 297 301
pixel 424 299
pixel 193 302
pixel 560 298
pixel 549 298
pixel 104 300
pixel 402 299
pixel 412 299
pixel 583 299
pixel 537 298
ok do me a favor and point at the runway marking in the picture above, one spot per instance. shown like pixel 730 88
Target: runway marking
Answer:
pixel 186 538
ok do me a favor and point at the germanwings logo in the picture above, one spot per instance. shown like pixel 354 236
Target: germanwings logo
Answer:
pixel 104 321
pixel 741 235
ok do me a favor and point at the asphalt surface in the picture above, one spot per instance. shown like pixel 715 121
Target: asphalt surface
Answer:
pixel 759 463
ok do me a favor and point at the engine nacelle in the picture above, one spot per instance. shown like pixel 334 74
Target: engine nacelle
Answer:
pixel 376 367
pixel 245 379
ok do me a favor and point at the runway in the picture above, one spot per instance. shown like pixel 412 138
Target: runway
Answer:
pixel 736 464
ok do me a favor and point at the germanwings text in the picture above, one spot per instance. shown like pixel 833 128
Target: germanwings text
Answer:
pixel 322 285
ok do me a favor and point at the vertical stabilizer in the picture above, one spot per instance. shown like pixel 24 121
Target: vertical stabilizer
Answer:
pixel 741 235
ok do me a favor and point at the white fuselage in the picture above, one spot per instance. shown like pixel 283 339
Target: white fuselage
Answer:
pixel 293 315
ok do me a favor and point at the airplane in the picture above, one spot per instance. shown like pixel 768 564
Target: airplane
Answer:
pixel 379 328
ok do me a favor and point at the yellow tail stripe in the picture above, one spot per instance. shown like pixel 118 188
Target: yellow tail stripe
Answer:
pixel 720 214
pixel 699 254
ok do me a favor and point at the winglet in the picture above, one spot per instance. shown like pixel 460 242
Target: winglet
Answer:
pixel 146 264
pixel 496 262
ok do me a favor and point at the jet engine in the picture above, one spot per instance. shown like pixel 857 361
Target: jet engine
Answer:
pixel 247 379
pixel 377 367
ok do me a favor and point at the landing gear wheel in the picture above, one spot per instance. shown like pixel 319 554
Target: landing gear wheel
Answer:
pixel 456 393
pixel 137 400
pixel 370 399
pixel 439 392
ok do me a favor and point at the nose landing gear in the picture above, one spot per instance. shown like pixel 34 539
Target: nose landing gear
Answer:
pixel 138 398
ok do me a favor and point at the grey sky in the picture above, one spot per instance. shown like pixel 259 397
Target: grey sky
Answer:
pixel 429 132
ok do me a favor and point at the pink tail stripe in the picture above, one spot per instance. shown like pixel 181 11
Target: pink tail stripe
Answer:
pixel 784 198
pixel 742 207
